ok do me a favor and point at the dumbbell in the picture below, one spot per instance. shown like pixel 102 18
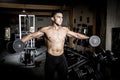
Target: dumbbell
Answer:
pixel 94 40
pixel 18 45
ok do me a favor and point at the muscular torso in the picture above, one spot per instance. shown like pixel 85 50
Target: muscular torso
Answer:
pixel 55 39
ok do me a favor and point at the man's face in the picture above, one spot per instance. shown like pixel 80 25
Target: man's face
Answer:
pixel 58 19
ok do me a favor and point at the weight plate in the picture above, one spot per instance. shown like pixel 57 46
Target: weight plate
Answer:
pixel 94 41
pixel 18 45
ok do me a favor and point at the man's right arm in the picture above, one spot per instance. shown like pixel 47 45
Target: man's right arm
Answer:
pixel 32 35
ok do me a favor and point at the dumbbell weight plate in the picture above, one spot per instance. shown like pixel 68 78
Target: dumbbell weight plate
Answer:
pixel 94 41
pixel 18 45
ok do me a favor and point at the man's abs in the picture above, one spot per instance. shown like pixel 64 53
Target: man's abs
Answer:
pixel 55 52
pixel 55 48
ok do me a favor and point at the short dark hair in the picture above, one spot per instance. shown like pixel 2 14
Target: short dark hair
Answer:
pixel 56 11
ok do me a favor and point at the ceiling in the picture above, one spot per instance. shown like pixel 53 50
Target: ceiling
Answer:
pixel 93 4
pixel 51 2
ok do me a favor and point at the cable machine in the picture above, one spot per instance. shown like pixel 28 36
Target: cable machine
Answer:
pixel 27 26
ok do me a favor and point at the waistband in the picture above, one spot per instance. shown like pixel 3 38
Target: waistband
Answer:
pixel 48 54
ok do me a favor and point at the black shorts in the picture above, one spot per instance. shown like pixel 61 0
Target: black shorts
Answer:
pixel 55 64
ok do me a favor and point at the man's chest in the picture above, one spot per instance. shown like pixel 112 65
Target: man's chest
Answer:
pixel 56 35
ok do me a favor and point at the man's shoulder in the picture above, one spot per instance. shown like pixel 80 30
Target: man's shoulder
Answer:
pixel 44 28
pixel 65 28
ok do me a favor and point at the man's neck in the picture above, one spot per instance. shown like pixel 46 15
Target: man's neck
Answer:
pixel 56 26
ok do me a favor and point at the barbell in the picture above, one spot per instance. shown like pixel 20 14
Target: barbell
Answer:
pixel 19 46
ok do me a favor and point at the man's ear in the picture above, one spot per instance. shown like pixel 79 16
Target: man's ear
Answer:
pixel 52 18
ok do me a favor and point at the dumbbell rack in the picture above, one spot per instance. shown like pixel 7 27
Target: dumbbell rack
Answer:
pixel 26 27
pixel 80 67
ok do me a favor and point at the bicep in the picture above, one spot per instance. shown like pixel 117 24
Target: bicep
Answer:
pixel 71 33
pixel 37 34
pixel 32 35
pixel 78 35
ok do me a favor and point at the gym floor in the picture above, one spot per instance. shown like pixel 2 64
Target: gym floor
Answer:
pixel 12 68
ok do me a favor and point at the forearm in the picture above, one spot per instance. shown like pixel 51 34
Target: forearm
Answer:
pixel 81 36
pixel 26 38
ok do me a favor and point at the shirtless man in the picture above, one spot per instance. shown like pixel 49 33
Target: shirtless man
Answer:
pixel 55 35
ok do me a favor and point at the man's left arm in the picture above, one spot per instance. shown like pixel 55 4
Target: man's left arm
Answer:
pixel 77 35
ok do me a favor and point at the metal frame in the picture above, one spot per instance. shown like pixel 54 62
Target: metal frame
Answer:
pixel 25 21
pixel 26 27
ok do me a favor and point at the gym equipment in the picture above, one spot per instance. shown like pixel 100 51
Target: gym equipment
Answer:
pixel 26 27
pixel 94 41
pixel 27 57
pixel 84 72
pixel 18 45
pixel 105 56
pixel 80 67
